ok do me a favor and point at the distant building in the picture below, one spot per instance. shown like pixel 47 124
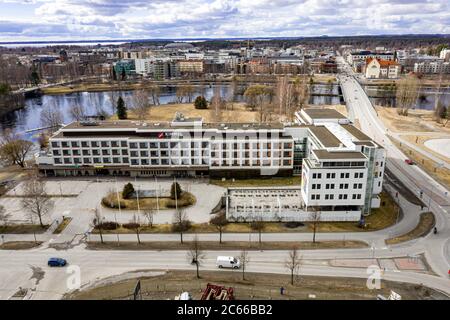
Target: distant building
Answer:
pixel 445 54
pixel 190 66
pixel 126 66
pixel 432 67
pixel 381 69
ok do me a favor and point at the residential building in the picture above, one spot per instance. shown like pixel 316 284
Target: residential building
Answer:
pixel 436 67
pixel 381 69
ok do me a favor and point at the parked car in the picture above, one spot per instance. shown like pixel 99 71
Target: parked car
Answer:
pixel 228 262
pixel 56 262
pixel 409 161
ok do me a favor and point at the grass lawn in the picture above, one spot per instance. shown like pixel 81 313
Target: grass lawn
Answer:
pixel 260 182
pixel 258 286
pixel 22 228
pixel 19 245
pixel 426 223
pixel 230 245
pixel 209 228
pixel 380 218
pixel 187 199
pixel 62 225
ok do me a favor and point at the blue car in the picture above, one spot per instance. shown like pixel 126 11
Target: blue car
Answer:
pixel 56 262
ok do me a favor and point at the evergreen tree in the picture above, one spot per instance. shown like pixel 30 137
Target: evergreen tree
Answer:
pixel 175 187
pixel 128 191
pixel 200 103
pixel 121 109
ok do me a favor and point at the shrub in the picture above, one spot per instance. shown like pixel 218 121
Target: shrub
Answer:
pixel 181 227
pixel 200 103
pixel 131 225
pixel 293 224
pixel 108 225
pixel 128 191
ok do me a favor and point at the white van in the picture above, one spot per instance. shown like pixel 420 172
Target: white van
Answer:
pixel 228 262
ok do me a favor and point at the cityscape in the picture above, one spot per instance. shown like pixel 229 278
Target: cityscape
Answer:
pixel 223 150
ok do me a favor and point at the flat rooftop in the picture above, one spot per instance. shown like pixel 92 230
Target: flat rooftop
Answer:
pixel 328 139
pixel 337 155
pixel 358 134
pixel 147 125
pixel 322 113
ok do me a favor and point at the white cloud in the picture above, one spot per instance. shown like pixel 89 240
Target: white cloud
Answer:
pixel 222 18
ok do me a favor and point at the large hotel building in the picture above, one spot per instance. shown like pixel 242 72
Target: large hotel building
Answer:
pixel 341 168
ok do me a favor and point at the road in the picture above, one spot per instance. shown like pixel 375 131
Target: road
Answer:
pixel 434 195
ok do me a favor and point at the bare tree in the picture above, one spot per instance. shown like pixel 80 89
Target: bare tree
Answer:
pixel 113 97
pixel 36 200
pixel 406 94
pixel 219 222
pixel 154 92
pixel 281 90
pixel 97 223
pixel 4 216
pixel 14 150
pixel 217 106
pixel 180 223
pixel 315 218
pixel 148 215
pixel 77 112
pixel 258 225
pixel 135 224
pixel 244 260
pixel 51 117
pixel 140 103
pixel 196 255
pixel 302 92
pixel 293 263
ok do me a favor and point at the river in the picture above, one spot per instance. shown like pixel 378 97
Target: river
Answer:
pixel 30 116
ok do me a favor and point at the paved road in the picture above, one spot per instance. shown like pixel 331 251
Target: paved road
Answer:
pixel 434 194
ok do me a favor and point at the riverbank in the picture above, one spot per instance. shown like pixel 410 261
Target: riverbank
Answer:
pixel 89 86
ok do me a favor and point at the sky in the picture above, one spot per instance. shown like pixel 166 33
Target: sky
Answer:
pixel 42 20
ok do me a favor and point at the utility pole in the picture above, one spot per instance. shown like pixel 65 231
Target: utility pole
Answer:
pixel 115 216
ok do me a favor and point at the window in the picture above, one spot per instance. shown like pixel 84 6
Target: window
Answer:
pixel 105 144
pixel 143 145
pixel 329 196
pixel 331 175
pixel 84 144
pixel 343 186
pixel 94 144
pixel 55 144
pixel 133 145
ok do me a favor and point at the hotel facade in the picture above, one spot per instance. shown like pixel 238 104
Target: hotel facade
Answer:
pixel 341 168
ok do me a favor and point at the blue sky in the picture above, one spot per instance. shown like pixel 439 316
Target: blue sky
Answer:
pixel 23 20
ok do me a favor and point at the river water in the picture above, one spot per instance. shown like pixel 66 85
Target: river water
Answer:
pixel 30 116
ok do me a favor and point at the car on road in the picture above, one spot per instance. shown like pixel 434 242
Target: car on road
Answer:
pixel 409 161
pixel 56 262
pixel 228 262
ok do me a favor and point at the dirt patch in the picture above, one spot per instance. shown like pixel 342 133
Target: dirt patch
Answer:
pixel 232 245
pixel 257 286
pixel 19 245
pixel 234 112
pixel 417 120
pixel 426 223
pixel 22 228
